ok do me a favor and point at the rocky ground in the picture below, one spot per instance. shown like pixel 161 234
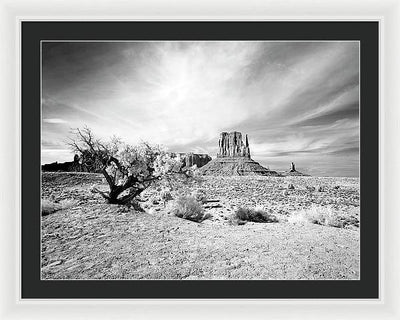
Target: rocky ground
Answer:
pixel 89 239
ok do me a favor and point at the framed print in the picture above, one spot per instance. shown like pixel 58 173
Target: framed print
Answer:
pixel 189 163
pixel 200 159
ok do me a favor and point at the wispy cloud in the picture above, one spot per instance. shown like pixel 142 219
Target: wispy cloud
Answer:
pixel 298 101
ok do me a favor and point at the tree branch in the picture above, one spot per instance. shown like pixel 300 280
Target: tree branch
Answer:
pixel 108 178
pixel 131 195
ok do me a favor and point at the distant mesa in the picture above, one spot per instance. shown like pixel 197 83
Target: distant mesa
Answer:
pixel 83 163
pixel 190 159
pixel 233 158
pixel 56 166
pixel 197 159
pixel 79 164
pixel 293 171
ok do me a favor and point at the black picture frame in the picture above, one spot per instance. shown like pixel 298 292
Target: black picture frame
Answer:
pixel 33 32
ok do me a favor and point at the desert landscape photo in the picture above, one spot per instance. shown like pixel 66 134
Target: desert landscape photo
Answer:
pixel 200 160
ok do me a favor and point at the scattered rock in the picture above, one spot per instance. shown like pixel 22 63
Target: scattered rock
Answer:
pixel 213 200
pixel 290 186
pixel 213 205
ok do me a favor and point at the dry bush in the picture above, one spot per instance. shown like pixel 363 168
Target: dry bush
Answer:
pixel 165 195
pixel 325 216
pixel 232 220
pixel 254 215
pixel 199 195
pixel 49 207
pixel 187 208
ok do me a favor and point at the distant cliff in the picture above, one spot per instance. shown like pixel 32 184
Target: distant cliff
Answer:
pixel 82 164
pixel 79 164
pixel 190 159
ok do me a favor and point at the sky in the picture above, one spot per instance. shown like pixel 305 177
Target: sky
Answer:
pixel 297 101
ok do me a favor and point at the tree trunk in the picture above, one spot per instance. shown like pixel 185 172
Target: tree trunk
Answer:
pixel 115 191
pixel 113 197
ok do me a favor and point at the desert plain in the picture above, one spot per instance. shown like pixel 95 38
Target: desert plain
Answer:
pixel 314 233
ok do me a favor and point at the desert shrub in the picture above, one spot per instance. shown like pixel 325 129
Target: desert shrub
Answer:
pixel 199 195
pixel 49 207
pixel 165 195
pixel 187 208
pixel 232 220
pixel 154 199
pixel 325 216
pixel 254 215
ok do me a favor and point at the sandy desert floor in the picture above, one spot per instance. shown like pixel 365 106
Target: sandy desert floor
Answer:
pixel 89 239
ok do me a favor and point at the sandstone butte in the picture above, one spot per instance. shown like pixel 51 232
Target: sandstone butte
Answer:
pixel 233 158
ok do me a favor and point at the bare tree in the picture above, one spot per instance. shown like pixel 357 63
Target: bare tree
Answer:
pixel 128 169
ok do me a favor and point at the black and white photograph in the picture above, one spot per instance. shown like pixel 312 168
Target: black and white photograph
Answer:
pixel 200 160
